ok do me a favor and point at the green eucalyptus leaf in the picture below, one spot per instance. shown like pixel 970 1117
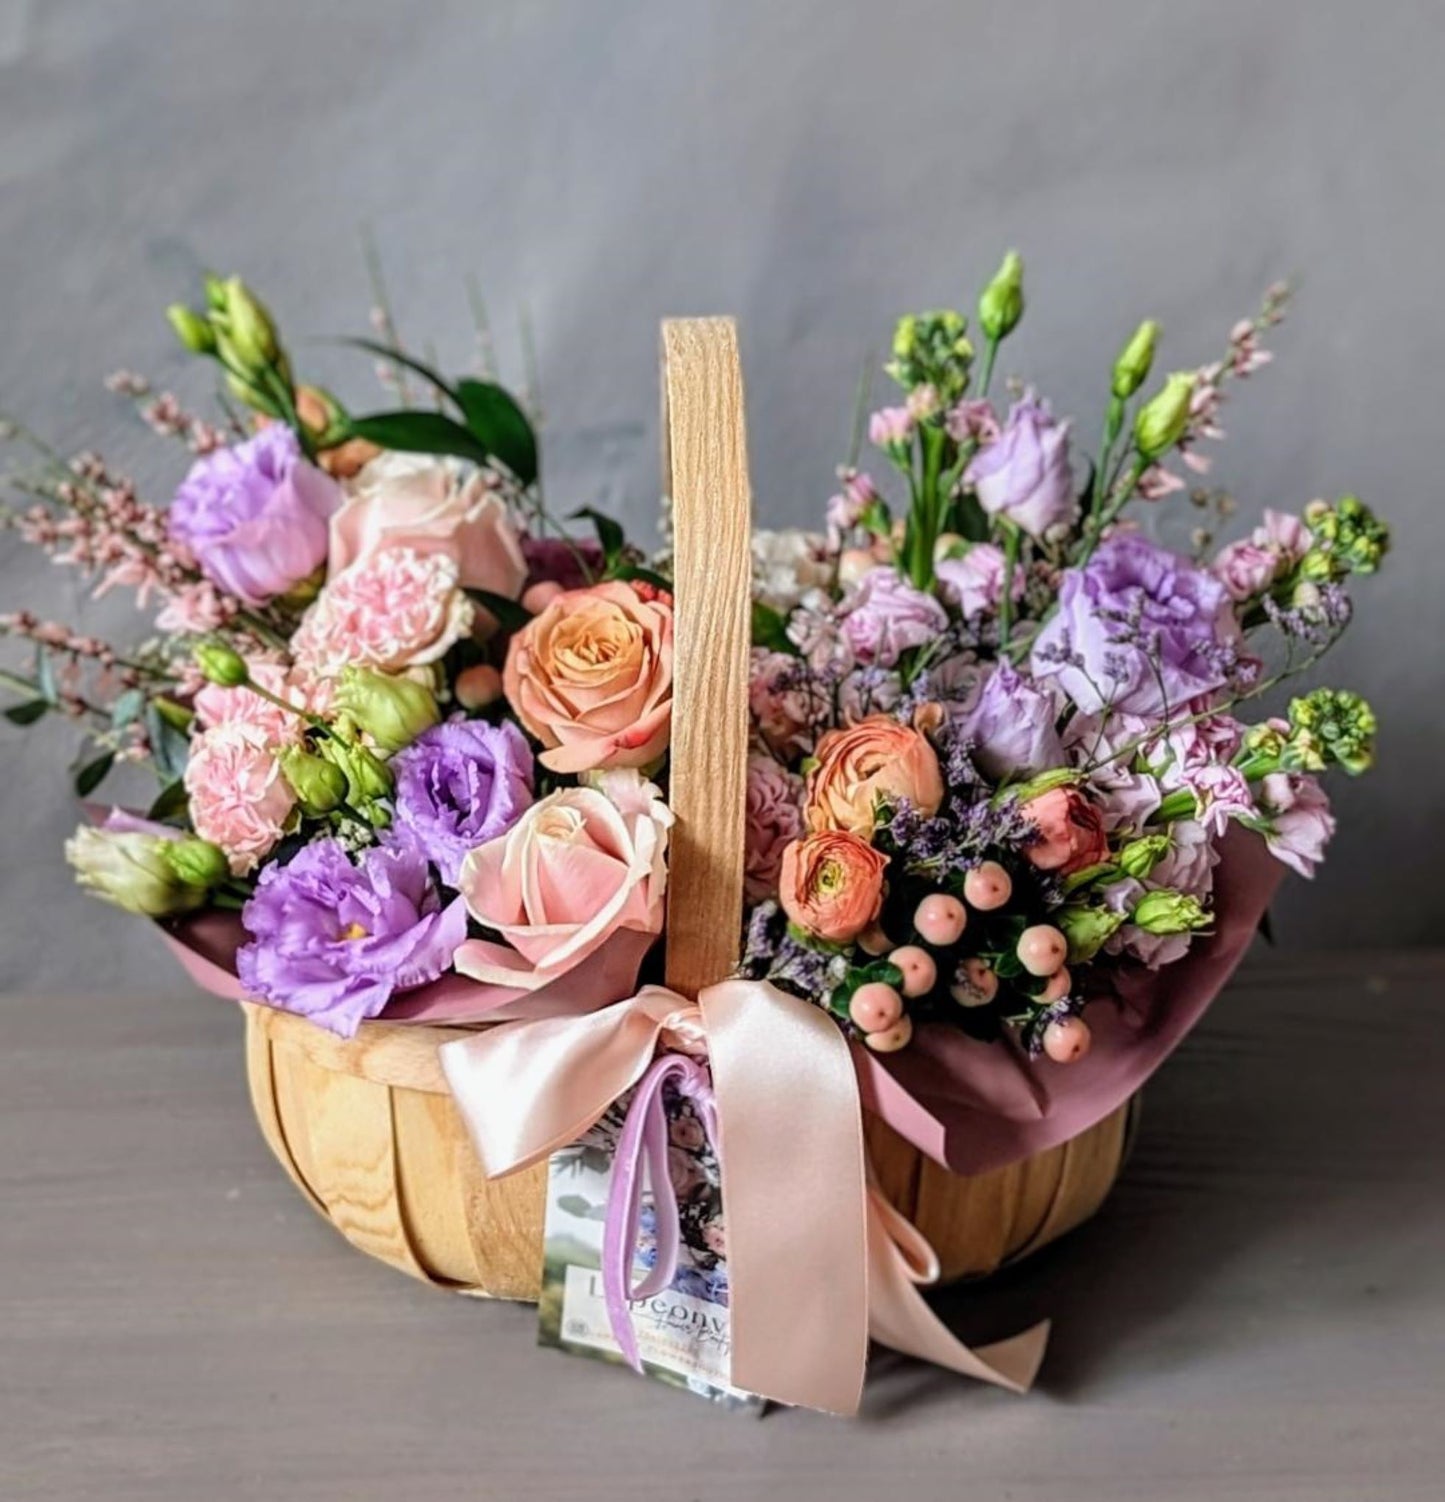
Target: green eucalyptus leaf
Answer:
pixel 27 714
pixel 170 802
pixel 170 747
pixel 45 676
pixel 419 433
pixel 500 425
pixel 127 708
pixel 92 774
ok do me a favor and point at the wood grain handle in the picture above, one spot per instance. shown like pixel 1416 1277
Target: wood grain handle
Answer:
pixel 705 467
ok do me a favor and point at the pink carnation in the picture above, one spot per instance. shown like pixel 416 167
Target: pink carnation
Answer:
pixel 274 726
pixel 392 609
pixel 885 616
pixel 774 820
pixel 785 702
pixel 239 799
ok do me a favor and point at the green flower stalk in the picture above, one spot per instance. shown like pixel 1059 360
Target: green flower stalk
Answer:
pixel 1131 368
pixel 392 711
pixel 320 785
pixel 1162 420
pixel 1001 304
pixel 1165 912
pixel 1330 727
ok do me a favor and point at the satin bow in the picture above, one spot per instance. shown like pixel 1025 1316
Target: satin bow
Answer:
pixel 817 1260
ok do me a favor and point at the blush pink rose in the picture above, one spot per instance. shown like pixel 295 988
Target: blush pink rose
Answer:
pixel 239 799
pixel 774 818
pixel 392 610
pixel 430 506
pixel 591 678
pixel 576 867
pixel 1071 832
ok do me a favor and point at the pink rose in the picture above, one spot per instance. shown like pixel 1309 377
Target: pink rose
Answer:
pixel 1071 832
pixel 239 799
pixel 591 678
pixel 576 867
pixel 774 818
pixel 430 506
pixel 390 610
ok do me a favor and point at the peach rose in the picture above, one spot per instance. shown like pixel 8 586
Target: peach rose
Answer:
pixel 430 506
pixel 591 678
pixel 831 884
pixel 576 867
pixel 876 760
pixel 1071 832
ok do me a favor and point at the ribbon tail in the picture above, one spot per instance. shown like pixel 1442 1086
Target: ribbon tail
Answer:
pixel 899 1317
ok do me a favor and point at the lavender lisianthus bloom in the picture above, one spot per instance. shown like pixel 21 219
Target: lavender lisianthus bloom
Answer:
pixel 255 515
pixel 1138 629
pixel 333 939
pixel 885 616
pixel 459 785
pixel 1024 474
pixel 1013 727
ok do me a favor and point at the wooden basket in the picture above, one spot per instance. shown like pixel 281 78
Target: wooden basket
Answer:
pixel 367 1129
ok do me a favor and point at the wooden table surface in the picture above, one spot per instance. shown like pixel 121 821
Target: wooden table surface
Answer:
pixel 1259 1312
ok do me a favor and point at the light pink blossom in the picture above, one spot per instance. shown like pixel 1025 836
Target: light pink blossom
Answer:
pixel 885 616
pixel 774 818
pixel 239 799
pixel 1298 822
pixel 974 582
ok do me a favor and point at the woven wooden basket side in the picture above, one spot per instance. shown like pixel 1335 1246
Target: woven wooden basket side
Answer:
pixel 366 1127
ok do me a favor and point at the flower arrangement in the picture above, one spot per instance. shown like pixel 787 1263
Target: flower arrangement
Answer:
pixel 1000 733
pixel 402 724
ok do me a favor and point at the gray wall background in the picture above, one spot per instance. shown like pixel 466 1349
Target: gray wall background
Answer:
pixel 812 167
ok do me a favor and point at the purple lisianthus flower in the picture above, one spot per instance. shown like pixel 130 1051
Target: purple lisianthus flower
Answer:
pixel 459 785
pixel 333 939
pixel 1024 473
pixel 885 616
pixel 1139 629
pixel 1013 727
pixel 255 516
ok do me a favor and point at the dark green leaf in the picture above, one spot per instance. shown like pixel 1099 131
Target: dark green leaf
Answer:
pixel 419 433
pixel 92 774
pixel 127 708
pixel 643 576
pixel 501 426
pixel 770 629
pixel 609 534
pixel 26 714
pixel 169 802
pixel 169 746
pixel 385 352
pixel 510 615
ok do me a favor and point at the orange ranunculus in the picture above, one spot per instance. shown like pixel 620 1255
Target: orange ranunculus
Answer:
pixel 1071 832
pixel 591 678
pixel 831 884
pixel 859 766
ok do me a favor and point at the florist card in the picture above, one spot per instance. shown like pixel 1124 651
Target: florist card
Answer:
pixel 683 1333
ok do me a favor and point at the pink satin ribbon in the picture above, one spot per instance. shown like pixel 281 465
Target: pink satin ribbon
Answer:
pixel 817 1260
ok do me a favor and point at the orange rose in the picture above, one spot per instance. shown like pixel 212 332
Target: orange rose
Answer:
pixel 831 884
pixel 876 760
pixel 591 678
pixel 1071 832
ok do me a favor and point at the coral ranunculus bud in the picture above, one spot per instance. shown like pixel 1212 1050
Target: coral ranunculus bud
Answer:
pixel 392 711
pixel 1164 417
pixel 1001 304
pixel 831 885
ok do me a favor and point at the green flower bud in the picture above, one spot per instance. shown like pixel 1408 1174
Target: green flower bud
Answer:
pixel 249 329
pixel 1166 912
pixel 932 349
pixel 1330 727
pixel 1001 304
pixel 392 711
pixel 1351 537
pixel 215 292
pixel 320 786
pixel 197 862
pixel 1087 929
pixel 194 332
pixel 1265 742
pixel 221 664
pixel 1161 421
pixel 1131 369
pixel 1139 857
pixel 132 870
pixel 368 782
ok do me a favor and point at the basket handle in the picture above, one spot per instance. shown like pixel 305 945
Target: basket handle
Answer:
pixel 705 469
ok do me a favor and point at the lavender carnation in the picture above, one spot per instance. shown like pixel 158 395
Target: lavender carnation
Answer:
pixel 459 785
pixel 886 615
pixel 333 941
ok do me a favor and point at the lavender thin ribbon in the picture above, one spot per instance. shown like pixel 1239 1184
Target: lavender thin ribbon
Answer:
pixel 640 1162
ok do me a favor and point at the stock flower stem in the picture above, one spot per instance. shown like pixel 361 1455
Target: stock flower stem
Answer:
pixel 1006 603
